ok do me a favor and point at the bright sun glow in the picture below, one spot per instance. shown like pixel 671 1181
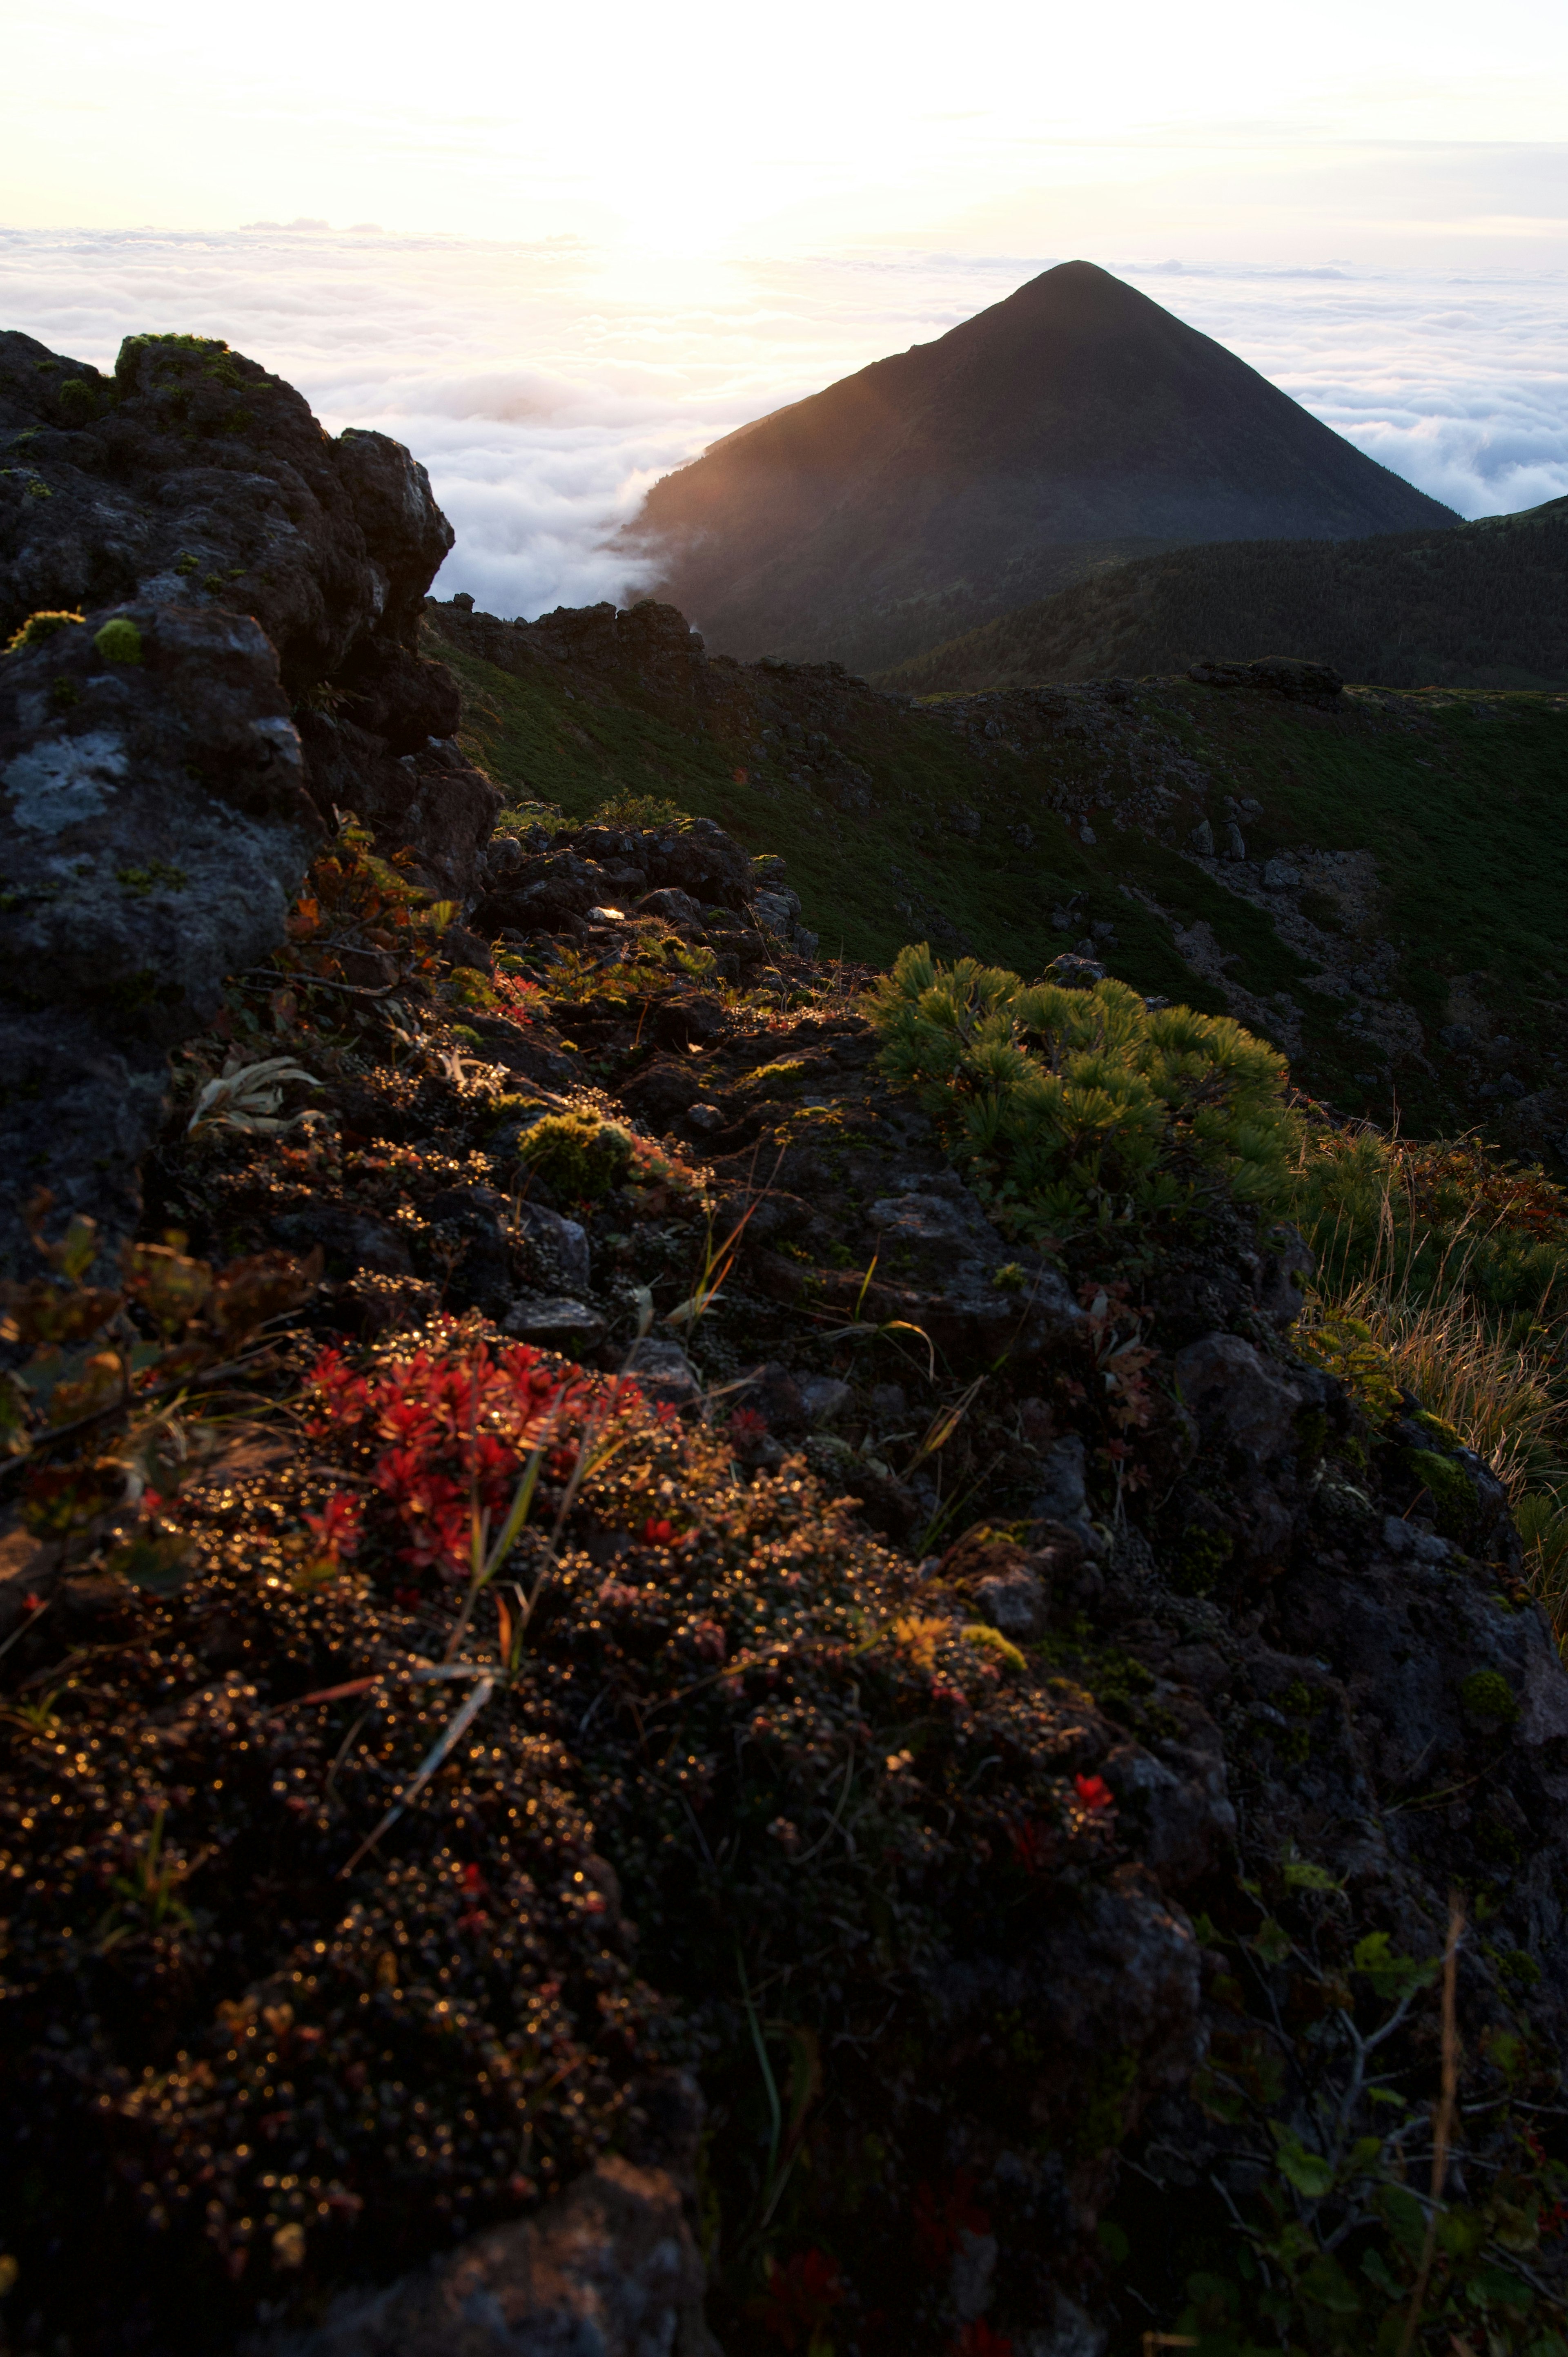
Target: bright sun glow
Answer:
pixel 690 133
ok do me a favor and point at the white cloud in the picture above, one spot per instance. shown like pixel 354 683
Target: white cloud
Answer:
pixel 546 385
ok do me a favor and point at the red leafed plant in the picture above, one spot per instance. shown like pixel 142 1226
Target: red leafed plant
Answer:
pixel 444 1435
pixel 978 2340
pixel 801 2296
pixel 942 2219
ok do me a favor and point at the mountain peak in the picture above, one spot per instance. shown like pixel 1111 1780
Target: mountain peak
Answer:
pixel 1073 423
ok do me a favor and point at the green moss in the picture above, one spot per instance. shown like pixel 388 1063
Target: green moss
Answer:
pixel 119 641
pixel 157 875
pixel 1104 2119
pixel 1452 1490
pixel 991 1640
pixel 1486 1695
pixel 576 1154
pixel 39 627
pixel 1200 1558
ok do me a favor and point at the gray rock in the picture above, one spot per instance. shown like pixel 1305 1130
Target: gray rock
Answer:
pixel 198 480
pixel 1403 1539
pixel 1202 839
pixel 1013 1601
pixel 774 913
pixel 1061 1496
pixel 554 1322
pixel 664 1374
pixel 610 2269
pixel 824 1397
pixel 1235 842
pixel 562 1244
pixel 1284 1263
pixel 948 1255
pixel 153 830
pixel 1279 875
pixel 1228 1386
pixel 675 907
pixel 971 2277
pixel 1181 1800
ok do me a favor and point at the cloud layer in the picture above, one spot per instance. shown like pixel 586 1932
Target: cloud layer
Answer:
pixel 546 385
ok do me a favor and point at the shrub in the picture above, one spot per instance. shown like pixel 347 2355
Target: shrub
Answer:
pixel 119 641
pixel 1071 1107
pixel 577 1154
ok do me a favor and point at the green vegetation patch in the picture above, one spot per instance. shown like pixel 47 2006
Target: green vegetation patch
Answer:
pixel 1062 1102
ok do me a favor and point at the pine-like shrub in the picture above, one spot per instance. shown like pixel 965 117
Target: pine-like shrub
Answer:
pixel 1070 1109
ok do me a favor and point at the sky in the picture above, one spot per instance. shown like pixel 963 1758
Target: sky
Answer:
pixel 558 251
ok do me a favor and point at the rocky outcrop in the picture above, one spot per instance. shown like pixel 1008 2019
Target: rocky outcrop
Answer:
pixel 213 607
pixel 153 827
pixel 609 2270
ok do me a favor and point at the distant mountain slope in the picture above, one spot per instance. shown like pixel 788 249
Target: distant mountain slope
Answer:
pixel 1387 909
pixel 1073 425
pixel 1484 605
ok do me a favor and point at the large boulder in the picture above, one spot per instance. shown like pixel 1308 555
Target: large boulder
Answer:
pixel 611 2269
pixel 153 829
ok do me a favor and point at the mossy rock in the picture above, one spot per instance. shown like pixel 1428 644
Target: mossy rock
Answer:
pixel 1452 1490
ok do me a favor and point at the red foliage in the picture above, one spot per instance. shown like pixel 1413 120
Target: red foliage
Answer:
pixel 337 1526
pixel 942 2219
pixel 801 2296
pixel 659 1531
pixel 977 2340
pixel 446 1434
pixel 1094 1793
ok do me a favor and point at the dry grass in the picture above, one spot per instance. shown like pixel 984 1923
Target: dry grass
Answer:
pixel 1419 1294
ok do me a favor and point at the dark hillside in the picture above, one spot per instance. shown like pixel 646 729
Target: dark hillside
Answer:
pixel 1074 424
pixel 1484 606
pixel 1393 920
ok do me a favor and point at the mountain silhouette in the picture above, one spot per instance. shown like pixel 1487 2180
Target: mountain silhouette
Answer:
pixel 1069 428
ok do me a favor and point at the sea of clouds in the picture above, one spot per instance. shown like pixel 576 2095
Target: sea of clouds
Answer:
pixel 546 385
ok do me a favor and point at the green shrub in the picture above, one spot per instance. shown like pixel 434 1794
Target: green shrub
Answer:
pixel 119 641
pixel 1068 1107
pixel 79 401
pixel 577 1154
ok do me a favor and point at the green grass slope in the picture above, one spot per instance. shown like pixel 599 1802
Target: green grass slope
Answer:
pixel 1482 605
pixel 1417 965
